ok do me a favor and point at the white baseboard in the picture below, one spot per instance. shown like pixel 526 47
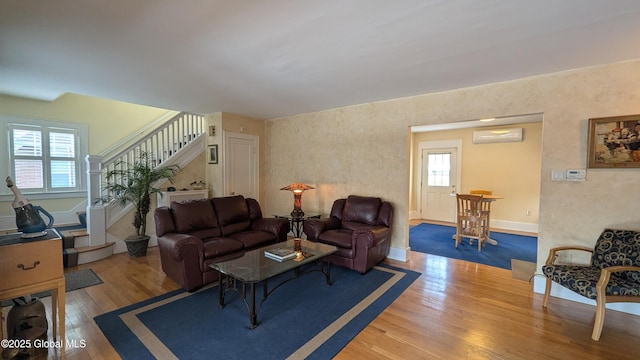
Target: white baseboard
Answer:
pixel 539 284
pixel 515 226
pixel 495 223
pixel 398 254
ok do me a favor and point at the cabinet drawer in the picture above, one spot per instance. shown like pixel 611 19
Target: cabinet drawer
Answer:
pixel 29 263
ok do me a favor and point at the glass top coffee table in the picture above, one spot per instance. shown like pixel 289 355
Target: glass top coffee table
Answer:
pixel 254 267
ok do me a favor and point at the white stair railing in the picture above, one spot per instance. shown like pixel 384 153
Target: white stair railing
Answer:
pixel 161 143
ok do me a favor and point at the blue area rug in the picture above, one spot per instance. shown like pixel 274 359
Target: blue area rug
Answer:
pixel 437 240
pixel 303 318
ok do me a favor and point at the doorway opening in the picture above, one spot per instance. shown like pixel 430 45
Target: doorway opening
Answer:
pixel 511 170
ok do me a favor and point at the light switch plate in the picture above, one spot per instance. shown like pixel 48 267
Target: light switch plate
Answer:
pixel 558 175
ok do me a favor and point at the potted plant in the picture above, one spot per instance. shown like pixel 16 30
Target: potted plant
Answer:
pixel 135 186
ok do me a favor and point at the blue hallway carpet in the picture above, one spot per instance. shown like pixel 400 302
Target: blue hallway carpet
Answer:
pixel 437 240
pixel 302 319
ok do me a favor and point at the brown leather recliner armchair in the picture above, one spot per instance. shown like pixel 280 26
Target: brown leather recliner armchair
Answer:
pixel 360 227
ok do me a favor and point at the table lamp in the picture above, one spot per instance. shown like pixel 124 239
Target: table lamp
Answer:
pixel 297 189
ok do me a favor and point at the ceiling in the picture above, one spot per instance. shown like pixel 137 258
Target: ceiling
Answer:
pixel 268 59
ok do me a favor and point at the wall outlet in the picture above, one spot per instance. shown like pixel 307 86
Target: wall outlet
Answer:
pixel 212 130
pixel 528 212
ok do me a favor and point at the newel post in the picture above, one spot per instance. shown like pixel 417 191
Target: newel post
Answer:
pixel 96 216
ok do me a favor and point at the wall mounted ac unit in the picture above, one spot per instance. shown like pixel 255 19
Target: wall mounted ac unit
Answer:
pixel 497 136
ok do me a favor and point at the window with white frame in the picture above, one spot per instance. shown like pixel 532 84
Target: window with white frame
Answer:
pixel 45 156
pixel 439 169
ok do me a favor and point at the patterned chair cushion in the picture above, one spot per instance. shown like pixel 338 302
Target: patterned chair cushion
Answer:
pixel 583 280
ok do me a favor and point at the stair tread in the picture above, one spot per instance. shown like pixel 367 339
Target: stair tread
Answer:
pixel 75 232
pixel 69 227
pixel 92 248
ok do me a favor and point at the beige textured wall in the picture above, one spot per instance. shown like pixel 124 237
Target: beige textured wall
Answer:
pixel 110 120
pixel 511 170
pixel 364 149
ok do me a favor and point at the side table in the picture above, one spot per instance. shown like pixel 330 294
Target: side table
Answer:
pixel 296 223
pixel 32 265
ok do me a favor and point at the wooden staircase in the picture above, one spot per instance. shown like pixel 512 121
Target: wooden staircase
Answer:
pixel 75 245
pixel 178 141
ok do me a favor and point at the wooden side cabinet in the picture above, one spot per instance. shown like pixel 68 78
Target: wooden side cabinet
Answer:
pixel 28 266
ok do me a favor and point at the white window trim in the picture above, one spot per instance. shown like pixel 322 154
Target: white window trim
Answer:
pixel 6 163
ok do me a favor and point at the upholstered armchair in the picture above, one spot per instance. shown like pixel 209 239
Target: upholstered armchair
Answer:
pixel 360 227
pixel 612 276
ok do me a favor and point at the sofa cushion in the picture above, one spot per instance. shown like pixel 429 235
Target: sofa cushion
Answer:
pixel 192 215
pixel 219 246
pixel 231 209
pixel 338 237
pixel 254 238
pixel 164 221
pixel 206 233
pixel 361 209
pixel 233 214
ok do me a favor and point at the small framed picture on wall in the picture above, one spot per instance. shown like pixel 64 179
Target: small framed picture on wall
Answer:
pixel 213 154
pixel 614 142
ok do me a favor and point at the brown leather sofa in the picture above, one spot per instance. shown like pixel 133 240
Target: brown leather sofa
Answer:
pixel 360 227
pixel 195 233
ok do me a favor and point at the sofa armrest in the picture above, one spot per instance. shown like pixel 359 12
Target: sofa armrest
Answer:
pixel 366 238
pixel 370 245
pixel 552 252
pixel 181 247
pixel 314 227
pixel 182 257
pixel 277 226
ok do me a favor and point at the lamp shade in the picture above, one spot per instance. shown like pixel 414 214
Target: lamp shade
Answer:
pixel 297 189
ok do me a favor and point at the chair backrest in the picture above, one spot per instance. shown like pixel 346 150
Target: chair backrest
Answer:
pixel 480 192
pixel 617 248
pixel 362 210
pixel 470 205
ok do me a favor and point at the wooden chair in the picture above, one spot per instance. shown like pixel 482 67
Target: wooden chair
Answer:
pixel 472 219
pixel 486 206
pixel 612 276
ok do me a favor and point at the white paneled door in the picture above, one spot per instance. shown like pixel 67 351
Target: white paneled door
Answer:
pixel 241 165
pixel 439 178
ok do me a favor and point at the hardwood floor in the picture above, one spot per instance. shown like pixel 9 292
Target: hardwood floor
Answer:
pixel 454 310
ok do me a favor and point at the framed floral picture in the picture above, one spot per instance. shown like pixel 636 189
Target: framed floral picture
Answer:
pixel 614 142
